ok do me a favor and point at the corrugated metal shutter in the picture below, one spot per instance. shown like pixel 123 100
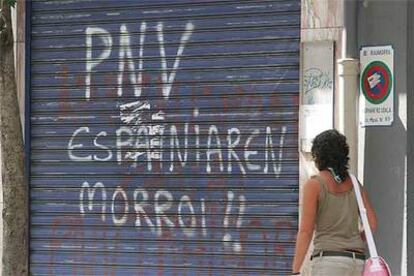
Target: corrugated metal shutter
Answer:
pixel 163 137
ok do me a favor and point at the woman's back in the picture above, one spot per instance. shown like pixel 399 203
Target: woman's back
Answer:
pixel 336 226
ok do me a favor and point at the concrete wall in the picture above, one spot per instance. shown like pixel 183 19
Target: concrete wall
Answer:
pixel 410 137
pixel 385 23
pixel 322 20
pixel 18 17
pixel 18 22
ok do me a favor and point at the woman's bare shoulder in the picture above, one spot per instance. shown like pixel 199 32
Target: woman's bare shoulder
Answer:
pixel 312 185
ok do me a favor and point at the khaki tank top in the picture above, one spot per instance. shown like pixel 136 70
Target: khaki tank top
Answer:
pixel 336 221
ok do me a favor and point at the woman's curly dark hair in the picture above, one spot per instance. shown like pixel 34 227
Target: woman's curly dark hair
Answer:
pixel 330 150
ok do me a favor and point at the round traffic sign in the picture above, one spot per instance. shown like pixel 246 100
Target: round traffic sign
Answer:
pixel 376 82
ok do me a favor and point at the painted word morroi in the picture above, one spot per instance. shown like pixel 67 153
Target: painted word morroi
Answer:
pixel 164 137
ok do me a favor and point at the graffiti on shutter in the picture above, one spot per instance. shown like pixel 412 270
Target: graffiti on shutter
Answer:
pixel 164 145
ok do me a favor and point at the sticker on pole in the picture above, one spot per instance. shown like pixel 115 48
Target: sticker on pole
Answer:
pixel 376 84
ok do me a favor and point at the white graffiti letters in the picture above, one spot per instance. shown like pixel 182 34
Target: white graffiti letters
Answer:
pixel 120 144
pixel 162 203
pixel 125 56
pixel 152 138
pixel 167 80
pixel 213 133
pixel 93 62
pixel 188 231
pixel 139 208
pixel 231 151
pixel 160 211
pixel 71 146
pixel 124 217
pixel 248 153
pixel 176 144
pixel 91 194
pixel 144 146
pixel 125 53
pixel 103 147
pixel 144 137
pixel 277 166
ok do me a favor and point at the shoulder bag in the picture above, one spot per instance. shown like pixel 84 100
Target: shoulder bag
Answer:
pixel 374 265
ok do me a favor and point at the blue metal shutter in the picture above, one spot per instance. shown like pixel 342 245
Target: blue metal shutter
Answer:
pixel 163 137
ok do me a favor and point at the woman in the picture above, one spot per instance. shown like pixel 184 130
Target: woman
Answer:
pixel 330 209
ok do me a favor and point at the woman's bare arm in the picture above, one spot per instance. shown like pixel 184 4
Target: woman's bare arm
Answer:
pixel 311 191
